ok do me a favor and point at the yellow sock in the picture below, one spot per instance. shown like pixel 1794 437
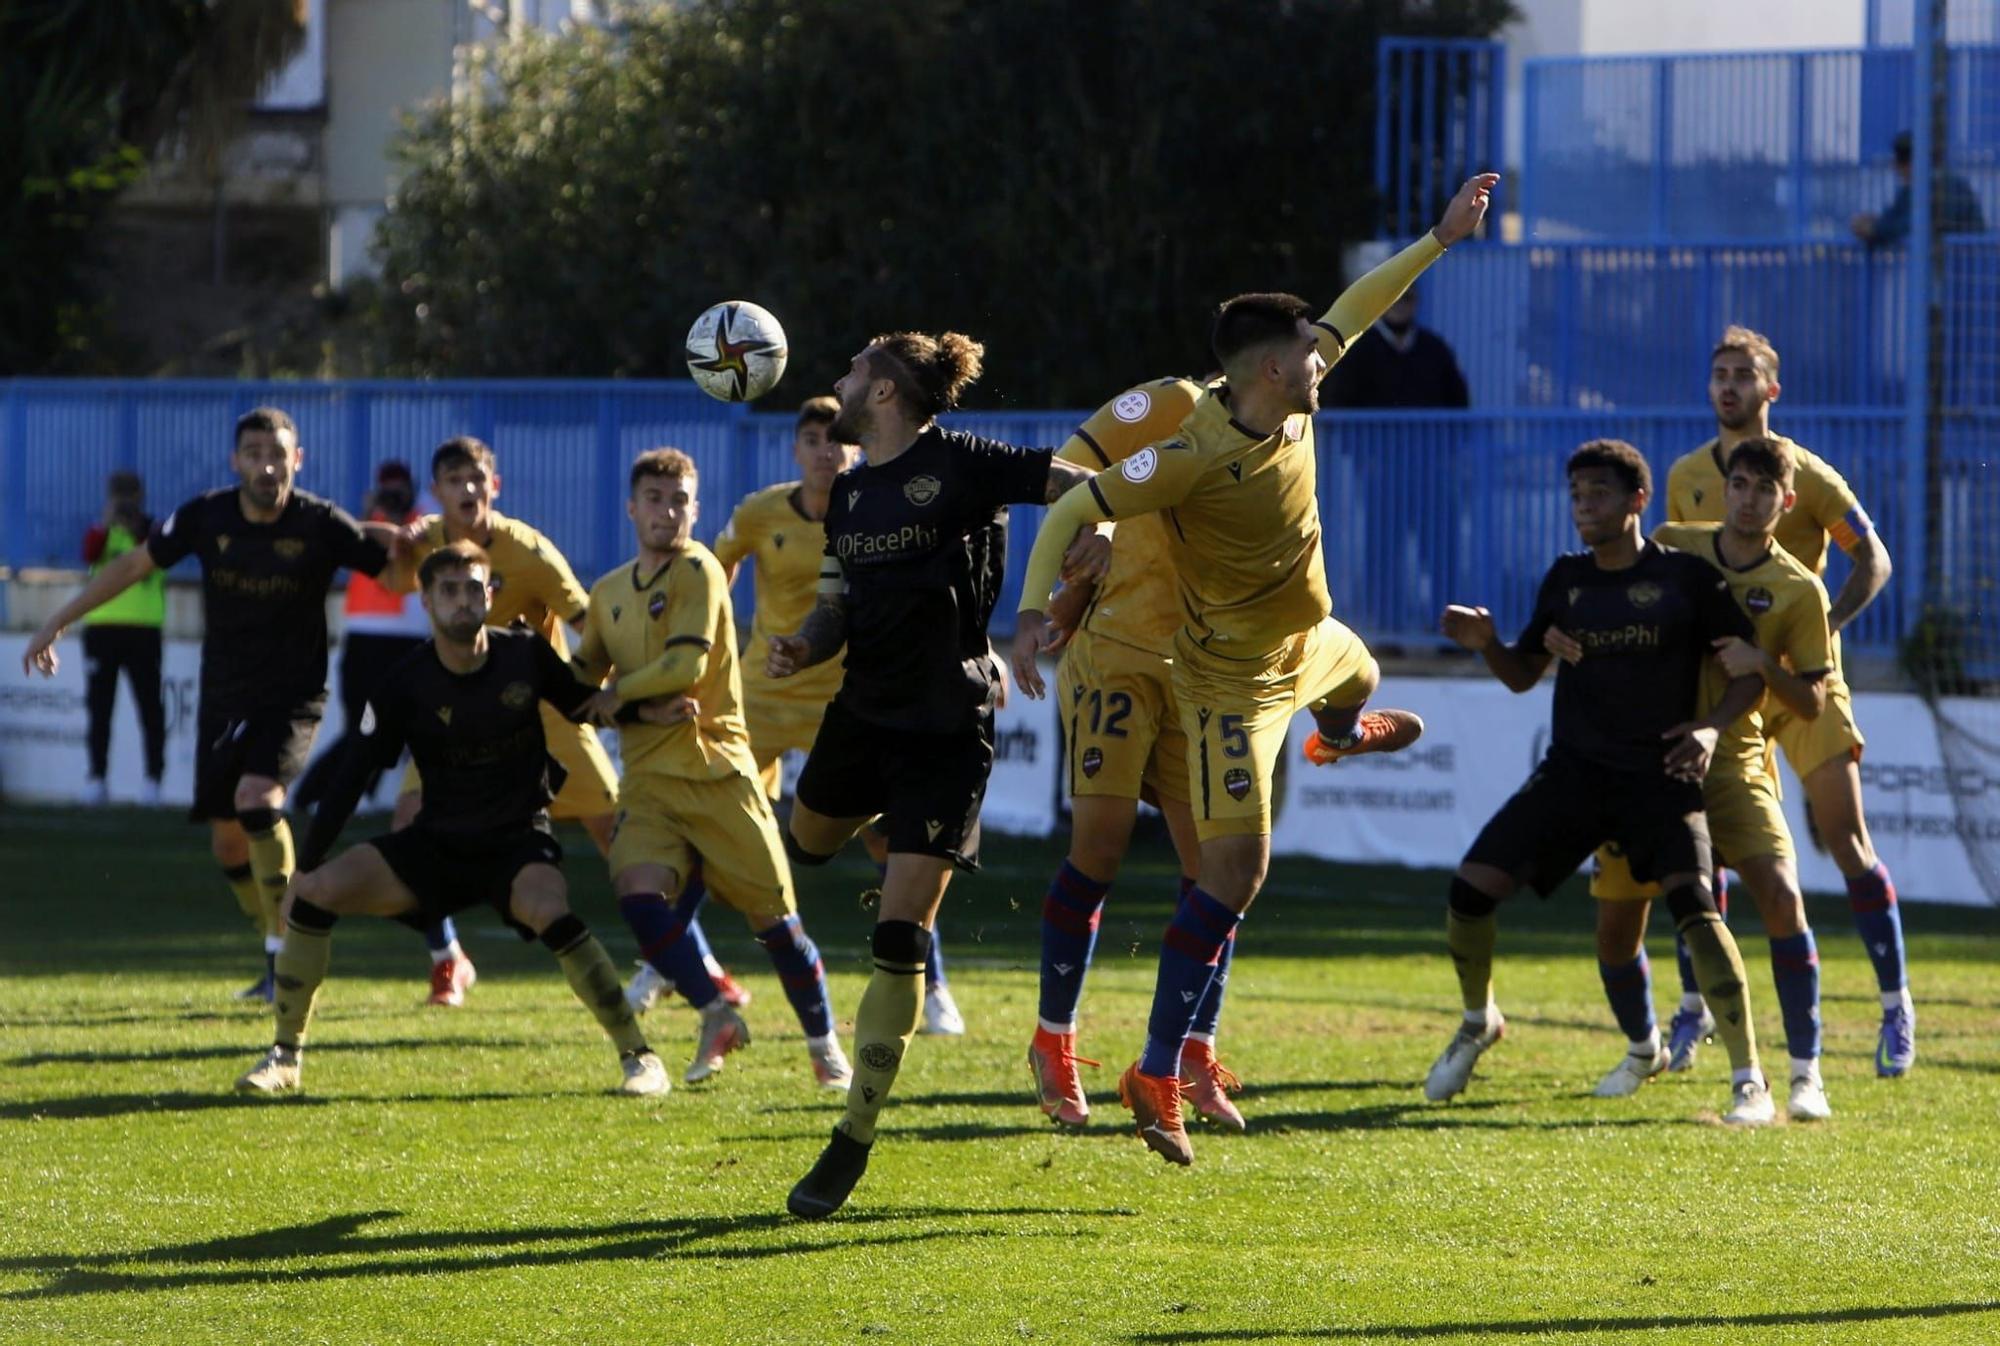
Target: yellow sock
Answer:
pixel 299 970
pixel 594 978
pixel 1471 940
pixel 242 882
pixel 271 860
pixel 886 1020
pixel 1718 968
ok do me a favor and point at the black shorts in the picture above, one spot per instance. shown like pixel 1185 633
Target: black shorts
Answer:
pixel 449 872
pixel 1570 807
pixel 926 787
pixel 229 746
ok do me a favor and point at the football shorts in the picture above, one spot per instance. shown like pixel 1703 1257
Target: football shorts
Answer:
pixel 724 824
pixel 1570 807
pixel 777 726
pixel 1810 744
pixel 228 747
pixel 1745 819
pixel 1235 714
pixel 927 787
pixel 447 872
pixel 1120 722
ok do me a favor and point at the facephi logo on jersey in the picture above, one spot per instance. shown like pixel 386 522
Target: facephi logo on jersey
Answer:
pixel 517 695
pixel 656 605
pixel 1093 760
pixel 1236 781
pixel 1643 594
pixel 922 490
pixel 1141 465
pixel 1759 601
pixel 1133 406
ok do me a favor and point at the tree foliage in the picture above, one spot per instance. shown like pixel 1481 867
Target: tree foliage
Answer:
pixel 93 87
pixel 1077 185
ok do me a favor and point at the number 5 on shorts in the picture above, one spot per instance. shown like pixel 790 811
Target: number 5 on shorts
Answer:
pixel 1235 740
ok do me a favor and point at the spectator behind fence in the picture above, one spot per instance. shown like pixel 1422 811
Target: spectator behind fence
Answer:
pixel 1397 363
pixel 124 634
pixel 1956 206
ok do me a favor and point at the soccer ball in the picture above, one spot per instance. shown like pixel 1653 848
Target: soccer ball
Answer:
pixel 736 351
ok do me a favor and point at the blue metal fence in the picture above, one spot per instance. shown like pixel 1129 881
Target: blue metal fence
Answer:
pixel 1401 537
pixel 1439 118
pixel 1737 145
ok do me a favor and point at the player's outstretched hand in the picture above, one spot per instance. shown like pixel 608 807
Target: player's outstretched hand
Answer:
pixel 1562 645
pixel 1470 628
pixel 40 656
pixel 787 656
pixel 1693 746
pixel 1739 658
pixel 1031 637
pixel 1467 209
pixel 601 710
pixel 669 709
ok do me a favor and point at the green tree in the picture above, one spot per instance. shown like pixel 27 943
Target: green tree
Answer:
pixel 1075 184
pixel 93 88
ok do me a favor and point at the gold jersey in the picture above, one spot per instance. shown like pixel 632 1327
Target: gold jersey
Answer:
pixel 665 633
pixel 786 547
pixel 1138 603
pixel 531 580
pixel 1826 504
pixel 1785 602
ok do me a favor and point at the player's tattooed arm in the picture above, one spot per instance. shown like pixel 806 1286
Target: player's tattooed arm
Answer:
pixel 1063 476
pixel 817 640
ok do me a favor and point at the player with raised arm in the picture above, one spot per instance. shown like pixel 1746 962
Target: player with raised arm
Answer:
pixel 1825 751
pixel 1792 654
pixel 1626 756
pixel 781 530
pixel 662 626
pixel 268 553
pixel 532 584
pixel 909 580
pixel 1239 487
pixel 1123 737
pixel 467 704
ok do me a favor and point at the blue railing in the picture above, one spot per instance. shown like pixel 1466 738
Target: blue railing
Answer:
pixel 1440 117
pixel 1420 508
pixel 1738 145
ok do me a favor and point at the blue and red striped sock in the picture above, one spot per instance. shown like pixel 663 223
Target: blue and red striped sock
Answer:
pixel 1209 1012
pixel 1879 921
pixel 1629 988
pixel 1795 970
pixel 1188 953
pixel 664 942
pixel 1071 911
pixel 796 960
pixel 693 894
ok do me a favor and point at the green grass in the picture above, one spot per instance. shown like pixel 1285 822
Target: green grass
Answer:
pixel 465 1176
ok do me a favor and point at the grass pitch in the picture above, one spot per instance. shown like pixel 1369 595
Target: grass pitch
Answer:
pixel 465 1176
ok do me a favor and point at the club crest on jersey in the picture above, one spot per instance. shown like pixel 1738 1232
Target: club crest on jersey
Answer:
pixel 1236 781
pixel 656 605
pixel 1133 406
pixel 1093 761
pixel 516 695
pixel 289 548
pixel 922 490
pixel 1141 465
pixel 1759 600
pixel 1643 594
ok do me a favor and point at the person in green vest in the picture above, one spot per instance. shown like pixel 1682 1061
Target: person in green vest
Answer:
pixel 124 634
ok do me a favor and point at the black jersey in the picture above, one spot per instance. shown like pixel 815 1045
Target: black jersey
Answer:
pixel 1645 631
pixel 264 586
pixel 920 543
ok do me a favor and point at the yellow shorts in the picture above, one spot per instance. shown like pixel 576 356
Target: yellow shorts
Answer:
pixel 1236 712
pixel 777 726
pixel 726 825
pixel 1120 721
pixel 1745 819
pixel 589 790
pixel 1811 744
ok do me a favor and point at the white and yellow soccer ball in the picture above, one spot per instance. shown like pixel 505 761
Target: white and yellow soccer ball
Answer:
pixel 736 351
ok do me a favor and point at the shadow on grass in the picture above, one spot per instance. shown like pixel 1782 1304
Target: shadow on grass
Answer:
pixel 85 1106
pixel 221 1051
pixel 278 1253
pixel 1422 1116
pixel 1589 1327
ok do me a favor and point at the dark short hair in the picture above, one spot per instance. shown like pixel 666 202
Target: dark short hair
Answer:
pixel 1766 457
pixel 392 470
pixel 125 484
pixel 661 463
pixel 1252 320
pixel 462 449
pixel 453 556
pixel 1624 460
pixel 268 419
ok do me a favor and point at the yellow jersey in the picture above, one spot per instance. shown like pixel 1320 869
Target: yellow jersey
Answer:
pixel 1826 504
pixel 769 529
pixel 665 633
pixel 1137 603
pixel 1785 602
pixel 532 582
